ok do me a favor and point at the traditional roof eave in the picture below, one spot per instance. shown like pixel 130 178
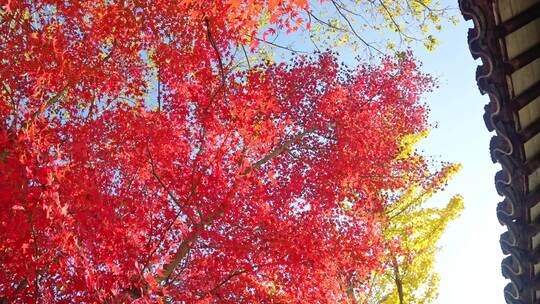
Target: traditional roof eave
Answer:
pixel 506 36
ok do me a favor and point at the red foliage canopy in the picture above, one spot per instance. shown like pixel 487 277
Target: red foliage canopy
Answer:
pixel 138 164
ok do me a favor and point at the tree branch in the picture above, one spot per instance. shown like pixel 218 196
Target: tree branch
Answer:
pixel 246 55
pixel 213 43
pixel 276 152
pixel 279 46
pixel 369 45
pixel 181 252
pixel 60 94
pixel 159 89
pixel 47 104
pixel 225 281
pixel 166 188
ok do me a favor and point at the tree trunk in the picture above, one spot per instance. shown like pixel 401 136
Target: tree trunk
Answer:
pixel 397 280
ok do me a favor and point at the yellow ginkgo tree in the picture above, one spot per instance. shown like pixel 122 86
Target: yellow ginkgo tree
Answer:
pixel 412 232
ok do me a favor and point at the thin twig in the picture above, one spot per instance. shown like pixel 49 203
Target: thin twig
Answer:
pixel 279 46
pixel 369 45
pixel 245 54
pixel 159 89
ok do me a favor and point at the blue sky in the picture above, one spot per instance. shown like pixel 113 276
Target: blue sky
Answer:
pixel 470 259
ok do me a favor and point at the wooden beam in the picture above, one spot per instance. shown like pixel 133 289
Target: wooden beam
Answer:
pixel 523 99
pixel 523 59
pixel 518 21
pixel 530 131
pixel 533 198
pixel 531 165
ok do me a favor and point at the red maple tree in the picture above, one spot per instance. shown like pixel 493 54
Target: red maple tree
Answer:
pixel 138 164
